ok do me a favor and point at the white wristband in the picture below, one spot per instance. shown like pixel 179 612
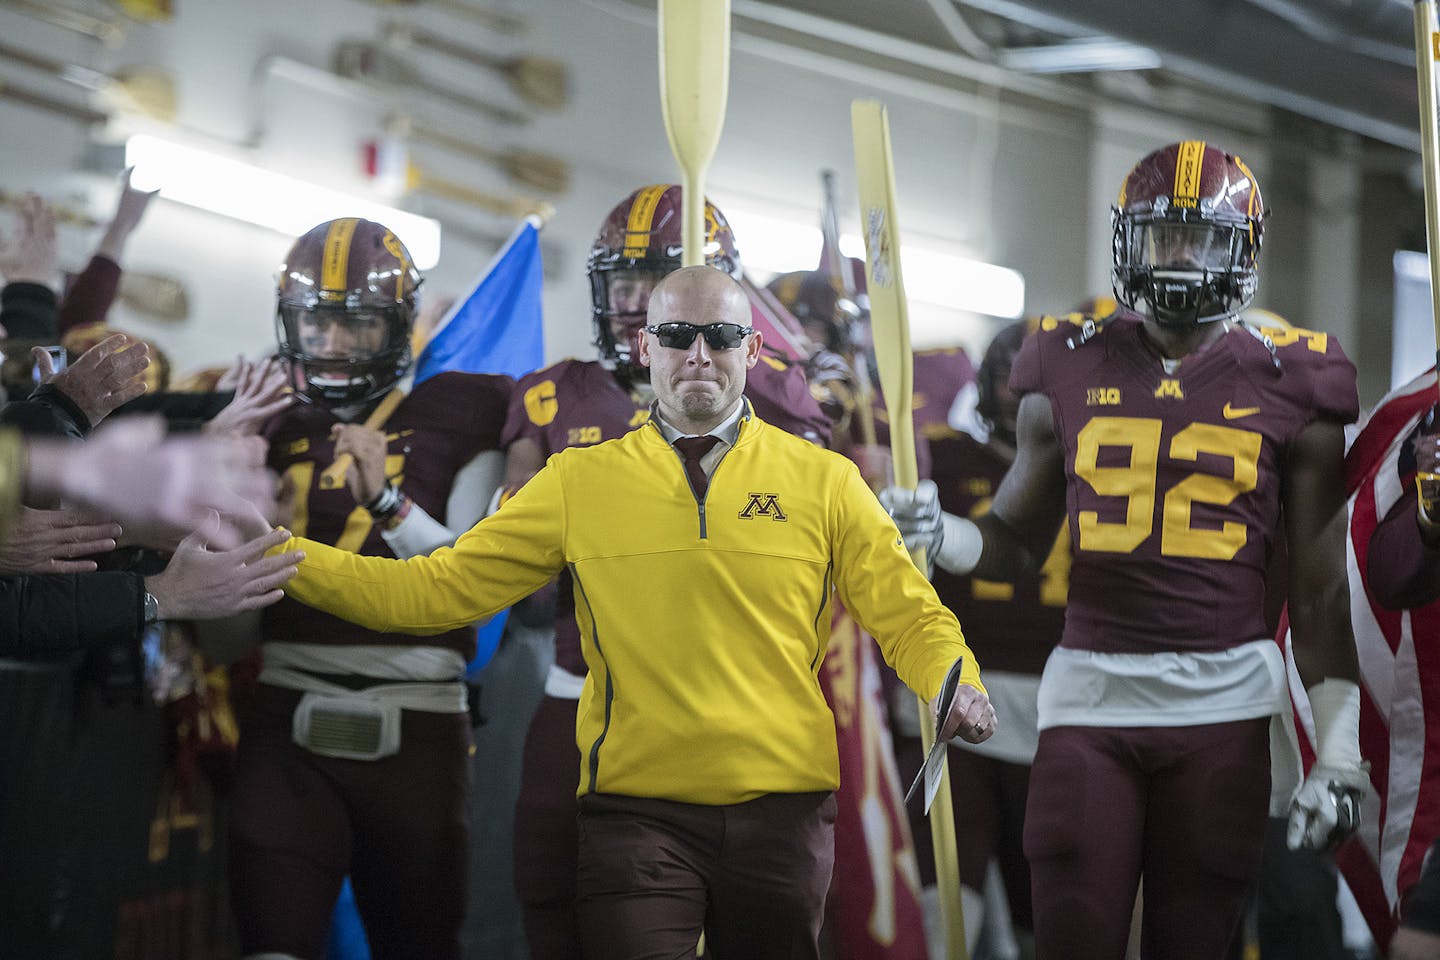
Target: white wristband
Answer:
pixel 418 534
pixel 961 547
pixel 1335 705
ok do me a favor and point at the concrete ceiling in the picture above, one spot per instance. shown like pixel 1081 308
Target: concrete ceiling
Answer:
pixel 1344 64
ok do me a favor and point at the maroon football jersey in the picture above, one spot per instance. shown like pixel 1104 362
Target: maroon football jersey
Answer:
pixel 578 403
pixel 781 396
pixel 1010 626
pixel 441 426
pixel 1173 478
pixel 938 376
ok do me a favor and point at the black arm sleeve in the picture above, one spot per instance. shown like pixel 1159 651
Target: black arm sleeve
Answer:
pixel 45 615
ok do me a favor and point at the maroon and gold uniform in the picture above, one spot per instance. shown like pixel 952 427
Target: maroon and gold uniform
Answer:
pixel 440 427
pixel 581 403
pixel 939 376
pixel 1014 626
pixel 1154 710
pixel 1173 493
pixel 398 824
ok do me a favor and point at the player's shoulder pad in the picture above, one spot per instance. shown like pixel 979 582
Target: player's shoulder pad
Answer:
pixel 776 363
pixel 1069 330
pixel 1295 341
pixel 558 370
pixel 462 383
pixel 1315 365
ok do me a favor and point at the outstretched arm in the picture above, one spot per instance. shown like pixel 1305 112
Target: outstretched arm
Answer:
pixel 1015 537
pixel 500 560
pixel 1020 528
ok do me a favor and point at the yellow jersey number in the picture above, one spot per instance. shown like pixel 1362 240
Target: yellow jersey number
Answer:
pixel 1054 573
pixel 1136 482
pixel 301 476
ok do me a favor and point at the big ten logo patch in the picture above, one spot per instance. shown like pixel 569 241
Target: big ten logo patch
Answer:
pixel 580 436
pixel 1102 397
pixel 763 505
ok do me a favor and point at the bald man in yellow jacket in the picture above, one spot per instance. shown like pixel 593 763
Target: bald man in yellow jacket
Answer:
pixel 705 549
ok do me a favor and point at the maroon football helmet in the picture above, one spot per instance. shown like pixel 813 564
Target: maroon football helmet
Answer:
pixel 1187 234
pixel 640 240
pixel 346 306
pixel 830 318
pixel 996 403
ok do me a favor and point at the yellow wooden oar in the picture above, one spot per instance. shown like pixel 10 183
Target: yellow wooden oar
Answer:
pixel 890 326
pixel 694 84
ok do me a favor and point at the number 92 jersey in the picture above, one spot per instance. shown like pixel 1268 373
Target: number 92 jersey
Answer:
pixel 1173 478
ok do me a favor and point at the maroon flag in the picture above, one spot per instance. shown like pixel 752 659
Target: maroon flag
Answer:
pixel 1399 681
pixel 874 906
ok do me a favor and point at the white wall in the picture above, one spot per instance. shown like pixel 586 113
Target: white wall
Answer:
pixel 1025 184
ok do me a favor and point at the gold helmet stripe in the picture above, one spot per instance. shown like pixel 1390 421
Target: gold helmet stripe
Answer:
pixel 1253 209
pixel 335 261
pixel 641 222
pixel 397 250
pixel 1188 164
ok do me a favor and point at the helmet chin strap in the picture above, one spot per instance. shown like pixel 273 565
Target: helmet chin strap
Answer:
pixel 1181 319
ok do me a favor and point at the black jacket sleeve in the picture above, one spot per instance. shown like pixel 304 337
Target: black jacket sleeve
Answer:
pixel 182 411
pixel 48 412
pixel 45 615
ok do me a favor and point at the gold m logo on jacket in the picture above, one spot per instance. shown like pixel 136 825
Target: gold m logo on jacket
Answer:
pixel 765 505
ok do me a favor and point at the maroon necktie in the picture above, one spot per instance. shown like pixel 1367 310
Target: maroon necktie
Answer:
pixel 693 449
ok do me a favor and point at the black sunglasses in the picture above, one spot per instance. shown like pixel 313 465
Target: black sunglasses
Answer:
pixel 720 336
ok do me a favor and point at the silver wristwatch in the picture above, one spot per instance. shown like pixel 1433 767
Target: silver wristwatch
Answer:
pixel 152 608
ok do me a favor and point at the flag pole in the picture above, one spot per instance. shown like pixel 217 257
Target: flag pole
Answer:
pixel 1427 51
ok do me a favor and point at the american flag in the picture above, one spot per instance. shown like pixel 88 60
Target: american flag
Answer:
pixel 1399 685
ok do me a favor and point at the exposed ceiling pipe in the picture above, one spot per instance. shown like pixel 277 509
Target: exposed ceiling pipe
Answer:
pixel 839 50
pixel 1081 54
pixel 1222 79
pixel 960 32
pixel 1029 16
pixel 895 48
pixel 1326 30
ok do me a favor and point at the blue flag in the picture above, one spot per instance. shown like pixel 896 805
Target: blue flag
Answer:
pixel 498 327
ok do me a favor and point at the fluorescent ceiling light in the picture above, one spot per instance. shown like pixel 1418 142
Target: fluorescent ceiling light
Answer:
pixel 286 204
pixel 1081 56
pixel 771 245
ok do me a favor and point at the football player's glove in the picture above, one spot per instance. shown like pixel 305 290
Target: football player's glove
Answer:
pixel 1326 808
pixel 917 515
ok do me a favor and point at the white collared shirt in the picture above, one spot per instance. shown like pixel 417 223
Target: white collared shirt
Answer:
pixel 726 431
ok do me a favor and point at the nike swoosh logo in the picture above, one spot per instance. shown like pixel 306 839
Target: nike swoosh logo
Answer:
pixel 1235 413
